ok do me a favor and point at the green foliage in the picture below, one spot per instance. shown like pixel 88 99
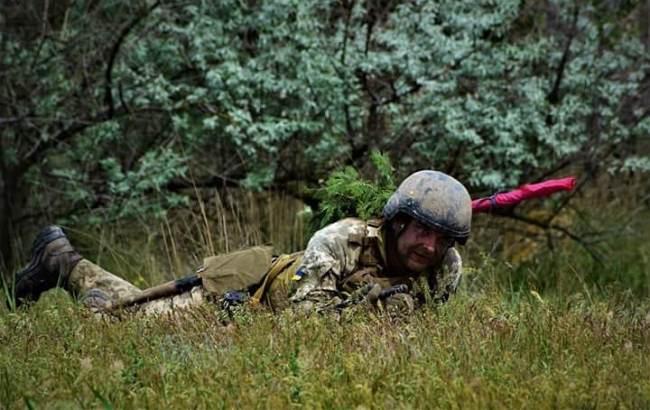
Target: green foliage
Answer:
pixel 347 194
pixel 278 94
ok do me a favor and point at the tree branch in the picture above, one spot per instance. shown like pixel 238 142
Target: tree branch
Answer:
pixel 568 198
pixel 554 96
pixel 108 94
pixel 546 226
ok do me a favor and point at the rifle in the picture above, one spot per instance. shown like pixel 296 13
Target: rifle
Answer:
pixel 171 288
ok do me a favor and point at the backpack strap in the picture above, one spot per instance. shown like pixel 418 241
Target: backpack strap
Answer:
pixel 371 267
pixel 371 256
pixel 285 264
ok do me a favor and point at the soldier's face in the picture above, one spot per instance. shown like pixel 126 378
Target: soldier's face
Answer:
pixel 420 247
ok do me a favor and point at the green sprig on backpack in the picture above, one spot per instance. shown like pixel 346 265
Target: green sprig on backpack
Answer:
pixel 346 193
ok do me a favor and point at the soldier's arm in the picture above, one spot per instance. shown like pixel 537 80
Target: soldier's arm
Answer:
pixel 327 258
pixel 449 276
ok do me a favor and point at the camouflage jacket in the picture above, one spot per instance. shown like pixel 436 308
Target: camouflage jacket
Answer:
pixel 345 255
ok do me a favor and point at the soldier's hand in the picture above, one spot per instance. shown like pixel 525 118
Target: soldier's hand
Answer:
pixel 395 304
pixel 372 297
pixel 400 304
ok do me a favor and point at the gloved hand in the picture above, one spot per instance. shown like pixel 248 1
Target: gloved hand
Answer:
pixel 394 301
pixel 399 305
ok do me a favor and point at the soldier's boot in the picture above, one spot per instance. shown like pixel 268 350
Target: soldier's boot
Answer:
pixel 52 260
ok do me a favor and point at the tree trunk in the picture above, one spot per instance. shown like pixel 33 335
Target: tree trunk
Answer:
pixel 7 192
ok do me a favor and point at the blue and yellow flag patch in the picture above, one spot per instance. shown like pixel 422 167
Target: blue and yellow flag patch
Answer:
pixel 299 274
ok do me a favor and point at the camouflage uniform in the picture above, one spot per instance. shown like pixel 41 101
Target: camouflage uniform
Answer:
pixel 350 253
pixel 89 281
pixel 339 259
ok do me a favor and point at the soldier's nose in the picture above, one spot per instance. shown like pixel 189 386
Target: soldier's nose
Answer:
pixel 429 243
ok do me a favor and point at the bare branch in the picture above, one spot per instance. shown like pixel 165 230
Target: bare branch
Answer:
pixel 108 94
pixel 69 131
pixel 554 96
pixel 546 226
pixel 12 120
pixel 121 94
pixel 568 198
pixel 396 97
pixel 346 30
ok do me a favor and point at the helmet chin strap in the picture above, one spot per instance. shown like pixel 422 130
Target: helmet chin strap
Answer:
pixel 395 229
pixel 398 228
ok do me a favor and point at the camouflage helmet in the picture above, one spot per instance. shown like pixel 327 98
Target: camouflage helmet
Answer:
pixel 436 200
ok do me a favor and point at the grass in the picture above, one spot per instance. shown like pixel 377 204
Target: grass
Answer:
pixel 483 350
pixel 555 331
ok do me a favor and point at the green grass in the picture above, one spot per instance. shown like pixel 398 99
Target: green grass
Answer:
pixel 483 350
pixel 557 331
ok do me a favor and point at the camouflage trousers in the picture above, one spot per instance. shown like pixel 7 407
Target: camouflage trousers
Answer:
pixel 88 278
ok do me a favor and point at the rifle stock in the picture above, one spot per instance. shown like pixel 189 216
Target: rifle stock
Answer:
pixel 171 288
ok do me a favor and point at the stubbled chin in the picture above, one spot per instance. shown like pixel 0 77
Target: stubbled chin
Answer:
pixel 418 264
pixel 417 268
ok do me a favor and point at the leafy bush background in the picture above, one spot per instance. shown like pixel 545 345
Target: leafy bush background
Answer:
pixel 111 110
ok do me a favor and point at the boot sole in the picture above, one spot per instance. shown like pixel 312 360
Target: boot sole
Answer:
pixel 47 235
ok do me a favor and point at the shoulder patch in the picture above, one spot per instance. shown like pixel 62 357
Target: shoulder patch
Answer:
pixel 299 274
